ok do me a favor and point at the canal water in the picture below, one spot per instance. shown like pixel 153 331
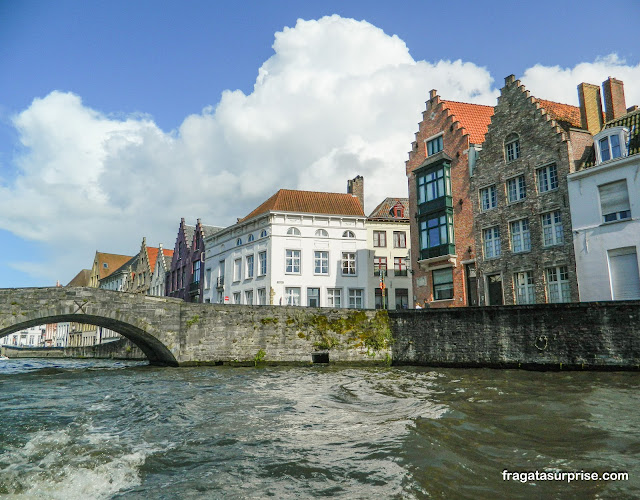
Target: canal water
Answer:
pixel 77 429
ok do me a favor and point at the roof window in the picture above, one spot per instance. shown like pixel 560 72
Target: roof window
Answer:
pixel 611 143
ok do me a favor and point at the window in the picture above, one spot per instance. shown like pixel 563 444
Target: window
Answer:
pixel 516 189
pixel 558 284
pixel 348 263
pixel 547 178
pixel 237 267
pixel 292 296
pixel 625 279
pixel 380 301
pixel 334 296
pixel 263 233
pixel 105 265
pixel 207 278
pixel 249 265
pixel 442 284
pixel 399 239
pixel 262 296
pixel 262 263
pixel 196 272
pixel 292 262
pixel 552 229
pixel 379 238
pixel 433 185
pixel 488 198
pixel 399 266
pixel 397 212
pixel 512 147
pixel 236 297
pixel 379 264
pixel 614 201
pixel 355 298
pixel 294 231
pixel 520 236
pixel 402 298
pixel 239 242
pixel 250 238
pixel 320 262
pixel 525 290
pixel 434 146
pixel 348 234
pixel 248 297
pixel 322 233
pixel 491 237
pixel 313 297
pixel 609 147
pixel 436 231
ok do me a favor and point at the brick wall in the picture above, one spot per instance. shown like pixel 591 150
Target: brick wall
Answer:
pixel 593 335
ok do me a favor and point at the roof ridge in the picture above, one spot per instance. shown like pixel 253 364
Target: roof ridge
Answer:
pixel 469 103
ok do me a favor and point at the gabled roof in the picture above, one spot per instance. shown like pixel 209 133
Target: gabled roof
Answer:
pixel 81 279
pixel 562 112
pixel 475 118
pixel 309 202
pixel 113 261
pixel 189 231
pixel 632 122
pixel 152 252
pixel 209 230
pixel 383 210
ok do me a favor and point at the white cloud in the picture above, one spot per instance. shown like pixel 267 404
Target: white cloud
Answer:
pixel 338 98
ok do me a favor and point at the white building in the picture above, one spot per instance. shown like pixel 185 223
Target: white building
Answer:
pixel 29 337
pixel 160 269
pixel 297 248
pixel 389 244
pixel 605 213
pixel 62 334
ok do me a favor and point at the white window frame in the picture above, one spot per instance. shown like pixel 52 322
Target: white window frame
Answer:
pixel 488 198
pixel 349 263
pixel 622 208
pixel 557 282
pixel 552 228
pixel 309 289
pixel 356 297
pixel 322 233
pixel 321 262
pixel 512 149
pixel 262 296
pixel 237 270
pixel 248 297
pixel 524 287
pixel 621 134
pixel 237 298
pixel 262 263
pixel 547 178
pixel 293 260
pixel 334 297
pixel 249 261
pixel 520 235
pixel 379 239
pixel 293 231
pixel 292 296
pixel 516 189
pixel 491 242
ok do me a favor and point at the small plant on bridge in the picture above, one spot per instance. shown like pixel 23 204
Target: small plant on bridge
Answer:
pixel 193 321
pixel 259 357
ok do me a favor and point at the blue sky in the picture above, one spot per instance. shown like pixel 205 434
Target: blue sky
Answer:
pixel 118 118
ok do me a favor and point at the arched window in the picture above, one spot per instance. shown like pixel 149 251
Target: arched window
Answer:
pixel 263 233
pixel 348 234
pixel 250 238
pixel 294 231
pixel 321 233
pixel 239 242
pixel 512 147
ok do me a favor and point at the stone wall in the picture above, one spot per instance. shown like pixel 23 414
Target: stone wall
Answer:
pixel 589 336
pixel 119 349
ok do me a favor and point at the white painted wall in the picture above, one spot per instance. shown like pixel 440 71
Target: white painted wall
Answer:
pixel 593 238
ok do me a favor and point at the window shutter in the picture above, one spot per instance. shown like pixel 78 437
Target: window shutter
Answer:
pixel 625 279
pixel 614 197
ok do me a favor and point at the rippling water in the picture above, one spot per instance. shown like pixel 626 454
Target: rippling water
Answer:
pixel 75 429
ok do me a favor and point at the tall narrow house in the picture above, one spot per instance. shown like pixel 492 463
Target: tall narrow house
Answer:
pixel 443 154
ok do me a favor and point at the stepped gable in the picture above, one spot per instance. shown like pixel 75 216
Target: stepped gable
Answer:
pixel 383 210
pixel 310 202
pixel 152 254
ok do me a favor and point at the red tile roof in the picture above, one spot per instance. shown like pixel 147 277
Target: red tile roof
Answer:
pixel 562 112
pixel 310 202
pixel 475 118
pixel 152 252
pixel 113 261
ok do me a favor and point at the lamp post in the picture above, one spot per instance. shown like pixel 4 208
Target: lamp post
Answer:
pixel 382 287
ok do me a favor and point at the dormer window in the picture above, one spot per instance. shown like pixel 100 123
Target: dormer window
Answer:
pixel 611 144
pixel 397 212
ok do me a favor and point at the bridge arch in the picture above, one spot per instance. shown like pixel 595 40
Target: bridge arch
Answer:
pixel 146 321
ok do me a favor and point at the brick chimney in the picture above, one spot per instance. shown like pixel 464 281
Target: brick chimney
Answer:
pixel 355 187
pixel 590 107
pixel 614 102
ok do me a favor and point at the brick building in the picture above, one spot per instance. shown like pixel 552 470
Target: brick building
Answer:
pixel 522 222
pixel 442 240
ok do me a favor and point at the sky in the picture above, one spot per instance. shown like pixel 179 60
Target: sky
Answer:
pixel 119 118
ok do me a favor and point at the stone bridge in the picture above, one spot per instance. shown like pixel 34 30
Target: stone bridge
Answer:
pixel 172 332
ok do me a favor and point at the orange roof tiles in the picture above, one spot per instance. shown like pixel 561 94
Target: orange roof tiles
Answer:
pixel 152 252
pixel 475 118
pixel 562 112
pixel 113 261
pixel 311 202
